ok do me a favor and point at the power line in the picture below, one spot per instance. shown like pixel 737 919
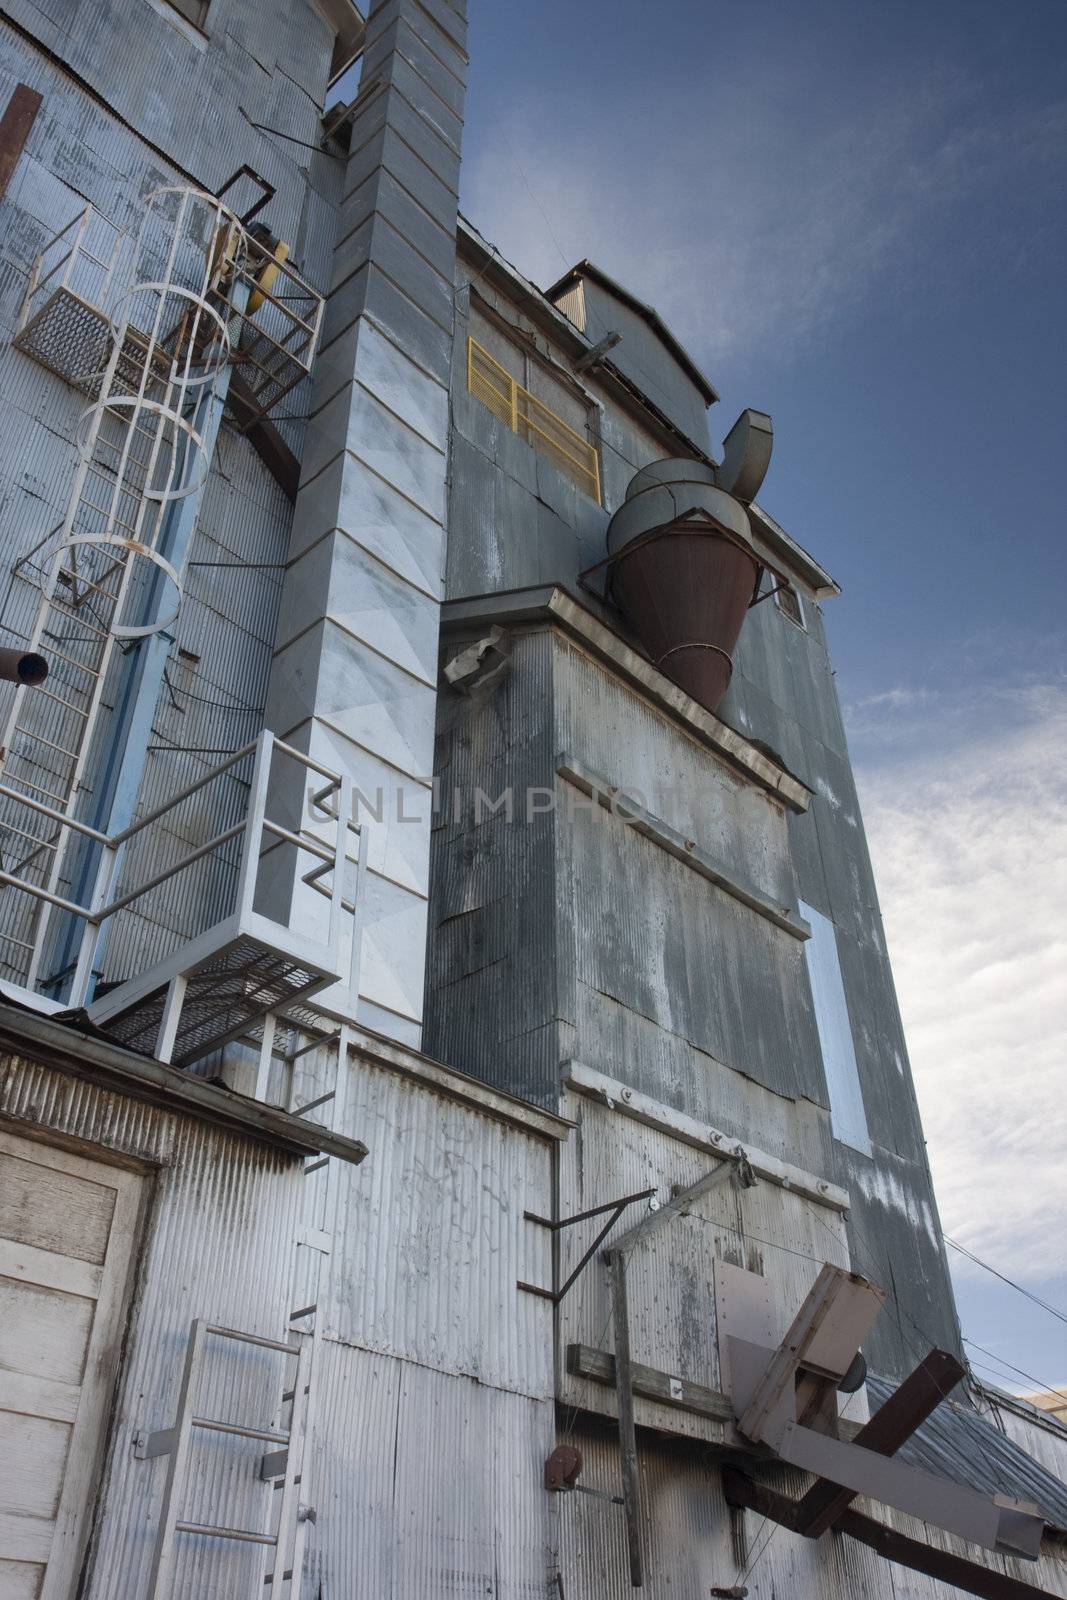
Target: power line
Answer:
pixel 1047 1387
pixel 1036 1298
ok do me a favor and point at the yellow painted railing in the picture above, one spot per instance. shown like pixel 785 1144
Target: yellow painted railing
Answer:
pixel 532 420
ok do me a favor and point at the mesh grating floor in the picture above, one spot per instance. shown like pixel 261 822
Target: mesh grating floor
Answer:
pixel 227 993
pixel 70 337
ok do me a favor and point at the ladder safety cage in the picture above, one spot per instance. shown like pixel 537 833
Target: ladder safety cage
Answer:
pixel 177 317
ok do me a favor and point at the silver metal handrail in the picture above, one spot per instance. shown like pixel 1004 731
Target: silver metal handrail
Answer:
pixel 103 902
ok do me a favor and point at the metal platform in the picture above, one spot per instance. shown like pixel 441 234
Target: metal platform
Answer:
pixel 213 991
pixel 81 297
pixel 70 337
pixel 250 961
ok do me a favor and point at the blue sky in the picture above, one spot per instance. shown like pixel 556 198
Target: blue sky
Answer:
pixel 852 215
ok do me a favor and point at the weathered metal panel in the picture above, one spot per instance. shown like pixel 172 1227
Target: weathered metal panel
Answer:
pixel 1043 1438
pixel 615 731
pixel 642 356
pixel 491 970
pixel 435 1240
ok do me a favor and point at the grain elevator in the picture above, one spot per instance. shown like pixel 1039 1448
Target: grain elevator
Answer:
pixel 456 1131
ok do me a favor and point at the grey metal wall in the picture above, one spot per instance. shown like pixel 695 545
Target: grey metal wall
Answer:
pixel 643 357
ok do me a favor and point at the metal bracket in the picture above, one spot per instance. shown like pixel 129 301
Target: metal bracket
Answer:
pixel 273 1465
pixel 616 1207
pixel 146 1446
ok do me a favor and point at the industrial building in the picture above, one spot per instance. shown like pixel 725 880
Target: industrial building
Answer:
pixel 456 1132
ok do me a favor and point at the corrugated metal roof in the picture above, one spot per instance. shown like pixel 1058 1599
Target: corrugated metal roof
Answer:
pixel 957 1443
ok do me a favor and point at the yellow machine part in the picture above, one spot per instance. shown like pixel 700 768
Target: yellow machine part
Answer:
pixel 266 275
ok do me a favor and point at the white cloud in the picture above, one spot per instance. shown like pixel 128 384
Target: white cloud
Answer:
pixel 766 210
pixel 969 841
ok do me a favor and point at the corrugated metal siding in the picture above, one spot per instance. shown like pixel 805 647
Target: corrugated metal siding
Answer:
pixel 1044 1444
pixel 434 1237
pixel 434 1486
pixel 78 151
pixel 572 304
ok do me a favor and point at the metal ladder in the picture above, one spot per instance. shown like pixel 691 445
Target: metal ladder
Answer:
pixel 314 1242
pixel 284 1461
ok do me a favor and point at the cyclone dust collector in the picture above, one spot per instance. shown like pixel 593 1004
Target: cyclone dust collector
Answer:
pixel 684 570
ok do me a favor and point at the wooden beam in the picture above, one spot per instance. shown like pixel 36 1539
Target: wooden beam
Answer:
pixel 742 1492
pixel 584 1361
pixel 15 125
pixel 894 1422
pixel 631 1483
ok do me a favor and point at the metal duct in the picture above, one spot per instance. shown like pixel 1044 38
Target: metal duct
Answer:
pixel 684 573
pixel 23 666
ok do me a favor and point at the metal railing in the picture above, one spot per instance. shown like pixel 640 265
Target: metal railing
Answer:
pixel 65 320
pixel 532 420
pixel 329 804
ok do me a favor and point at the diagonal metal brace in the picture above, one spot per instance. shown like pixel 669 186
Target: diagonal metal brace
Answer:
pixel 616 1208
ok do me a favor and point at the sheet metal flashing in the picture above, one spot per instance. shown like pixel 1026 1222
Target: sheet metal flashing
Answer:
pixel 649 314
pixel 555 605
pixel 477 250
pixel 596 1085
pixel 456 1085
pixel 70 1048
pixel 960 1445
pixel 349 26
pixel 791 554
